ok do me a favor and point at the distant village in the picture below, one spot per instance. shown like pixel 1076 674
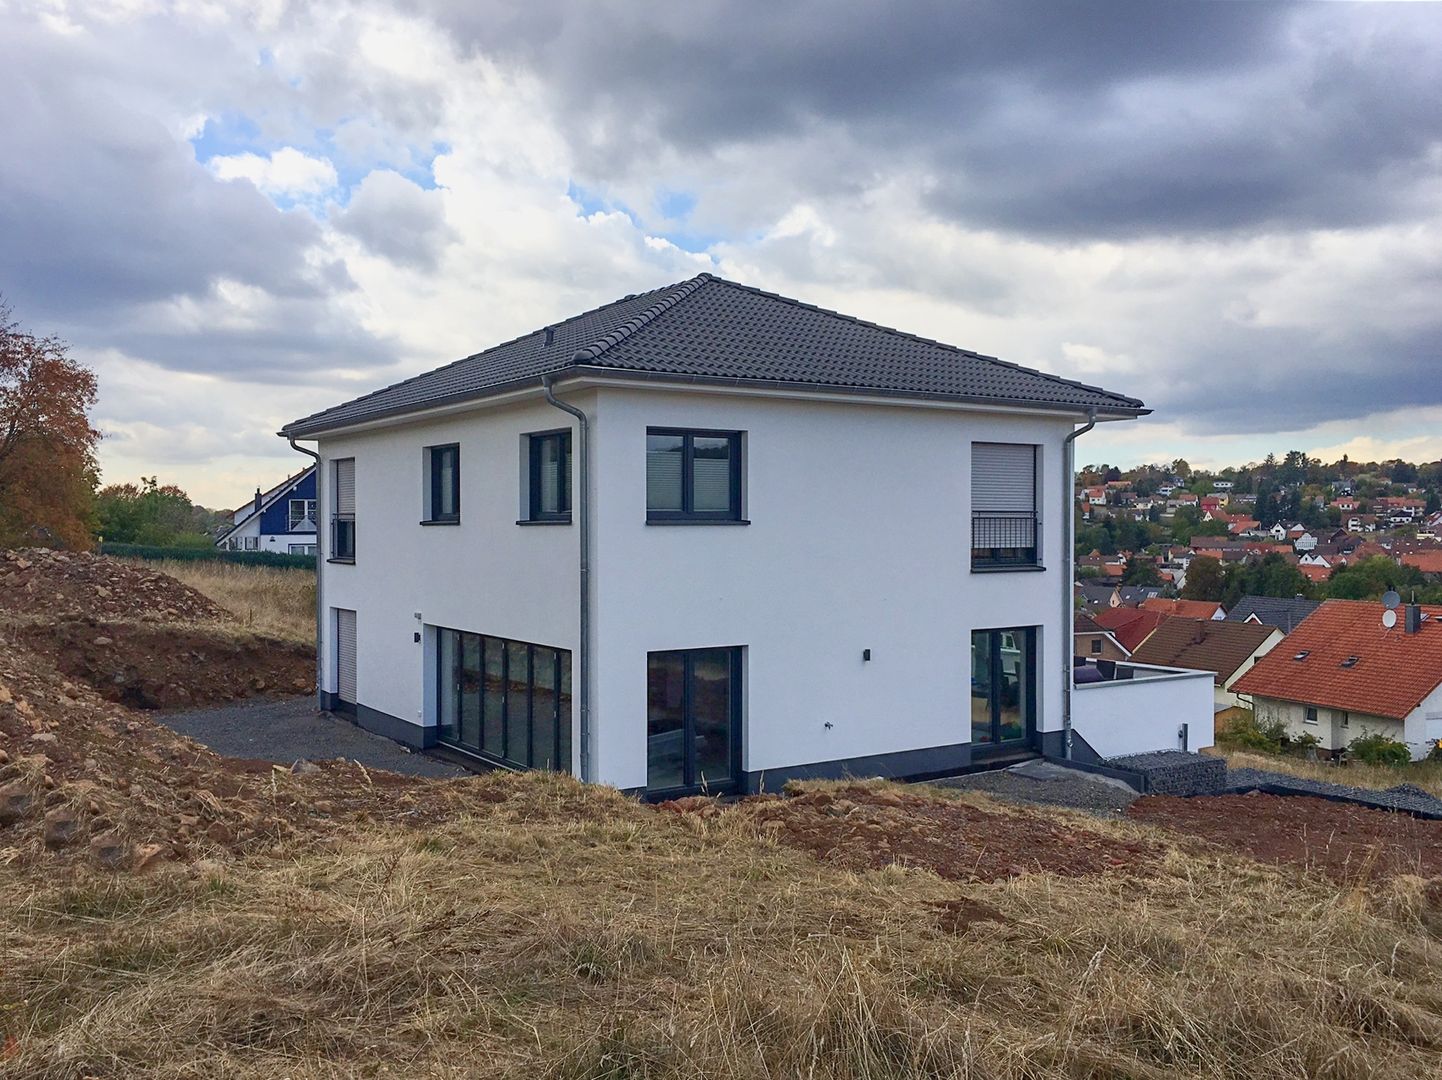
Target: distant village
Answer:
pixel 1284 527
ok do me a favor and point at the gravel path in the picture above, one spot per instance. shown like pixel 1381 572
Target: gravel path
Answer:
pixel 1048 784
pixel 1406 797
pixel 285 730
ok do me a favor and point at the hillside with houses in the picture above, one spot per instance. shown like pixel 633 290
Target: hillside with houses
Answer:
pixel 1284 527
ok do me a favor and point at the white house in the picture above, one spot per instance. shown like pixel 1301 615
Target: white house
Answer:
pixel 281 520
pixel 707 538
pixel 1351 669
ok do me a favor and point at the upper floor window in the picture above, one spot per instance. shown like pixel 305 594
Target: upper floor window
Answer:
pixel 302 515
pixel 342 525
pixel 693 475
pixel 1005 528
pixel 550 476
pixel 443 484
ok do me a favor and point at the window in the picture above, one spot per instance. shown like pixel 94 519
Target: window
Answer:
pixel 250 543
pixel 1346 719
pixel 302 516
pixel 301 549
pixel 345 660
pixel 1003 687
pixel 693 720
pixel 550 477
pixel 1096 645
pixel 1005 528
pixel 443 485
pixel 1310 717
pixel 342 526
pixel 507 701
pixel 693 476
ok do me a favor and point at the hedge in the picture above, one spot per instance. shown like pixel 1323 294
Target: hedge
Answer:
pixel 245 558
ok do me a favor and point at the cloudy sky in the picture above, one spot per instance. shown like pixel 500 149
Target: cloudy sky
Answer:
pixel 239 213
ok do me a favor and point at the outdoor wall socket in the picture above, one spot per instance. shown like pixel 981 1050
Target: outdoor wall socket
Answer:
pixel 418 637
pixel 865 654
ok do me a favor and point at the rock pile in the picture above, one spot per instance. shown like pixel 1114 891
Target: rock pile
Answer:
pixel 38 582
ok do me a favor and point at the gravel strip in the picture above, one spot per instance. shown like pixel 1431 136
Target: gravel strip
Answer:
pixel 285 730
pixel 1078 791
pixel 1406 797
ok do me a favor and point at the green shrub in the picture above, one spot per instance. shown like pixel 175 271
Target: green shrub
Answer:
pixel 1379 750
pixel 209 554
pixel 1245 733
pixel 1300 744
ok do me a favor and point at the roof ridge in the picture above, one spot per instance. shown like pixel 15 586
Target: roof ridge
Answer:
pixel 489 349
pixel 675 294
pixel 924 340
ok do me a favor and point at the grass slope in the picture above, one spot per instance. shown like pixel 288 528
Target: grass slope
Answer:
pixel 268 600
pixel 566 932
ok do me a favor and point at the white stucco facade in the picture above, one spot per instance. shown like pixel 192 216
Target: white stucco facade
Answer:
pixel 1420 729
pixel 857 537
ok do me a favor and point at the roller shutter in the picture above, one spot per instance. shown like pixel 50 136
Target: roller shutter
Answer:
pixel 345 654
pixel 1003 477
pixel 345 486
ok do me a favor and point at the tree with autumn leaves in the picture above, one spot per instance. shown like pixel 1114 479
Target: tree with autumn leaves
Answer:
pixel 47 446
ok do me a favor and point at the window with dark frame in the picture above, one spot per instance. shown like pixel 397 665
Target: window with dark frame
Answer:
pixel 693 721
pixel 693 475
pixel 503 700
pixel 1005 525
pixel 443 496
pixel 343 524
pixel 550 476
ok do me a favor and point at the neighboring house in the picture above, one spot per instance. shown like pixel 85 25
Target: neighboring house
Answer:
pixel 1226 649
pixel 1186 609
pixel 1344 673
pixel 706 539
pixel 1429 562
pixel 281 520
pixel 1130 626
pixel 1094 642
pixel 1283 613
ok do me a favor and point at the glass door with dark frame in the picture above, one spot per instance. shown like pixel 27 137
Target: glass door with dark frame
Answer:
pixel 1003 688
pixel 693 720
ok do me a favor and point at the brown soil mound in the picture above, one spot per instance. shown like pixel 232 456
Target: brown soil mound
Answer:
pixel 62 584
pixel 146 666
pixel 866 828
pixel 1342 841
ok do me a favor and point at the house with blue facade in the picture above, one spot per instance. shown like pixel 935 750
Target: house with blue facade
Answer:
pixel 280 520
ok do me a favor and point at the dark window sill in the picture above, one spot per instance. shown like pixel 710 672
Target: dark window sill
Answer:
pixel 1007 568
pixel 342 562
pixel 545 521
pixel 442 521
pixel 697 521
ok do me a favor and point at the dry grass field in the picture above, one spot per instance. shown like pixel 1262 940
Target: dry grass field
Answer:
pixel 265 599
pixel 1425 774
pixel 572 933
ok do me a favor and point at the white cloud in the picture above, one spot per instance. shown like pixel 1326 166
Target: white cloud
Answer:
pixel 286 173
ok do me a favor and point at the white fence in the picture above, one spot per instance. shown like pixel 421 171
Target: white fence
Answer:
pixel 1145 712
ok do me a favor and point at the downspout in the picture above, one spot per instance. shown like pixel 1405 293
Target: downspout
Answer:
pixel 319 604
pixel 1068 563
pixel 582 499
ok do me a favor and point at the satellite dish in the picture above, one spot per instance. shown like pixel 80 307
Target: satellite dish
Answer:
pixel 1391 598
pixel 1389 618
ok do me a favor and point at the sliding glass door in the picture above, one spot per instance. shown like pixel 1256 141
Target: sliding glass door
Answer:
pixel 507 701
pixel 693 720
pixel 1003 688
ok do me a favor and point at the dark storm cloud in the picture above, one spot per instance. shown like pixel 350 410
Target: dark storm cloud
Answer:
pixel 1055 119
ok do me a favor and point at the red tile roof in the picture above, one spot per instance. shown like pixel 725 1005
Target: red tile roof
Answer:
pixel 1393 672
pixel 1429 562
pixel 1203 645
pixel 1315 573
pixel 1130 626
pixel 1186 609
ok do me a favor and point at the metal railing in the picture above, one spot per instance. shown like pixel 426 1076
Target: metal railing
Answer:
pixel 1005 538
pixel 342 537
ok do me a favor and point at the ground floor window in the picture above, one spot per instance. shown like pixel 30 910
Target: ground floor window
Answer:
pixel 509 701
pixel 693 720
pixel 301 549
pixel 1003 686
